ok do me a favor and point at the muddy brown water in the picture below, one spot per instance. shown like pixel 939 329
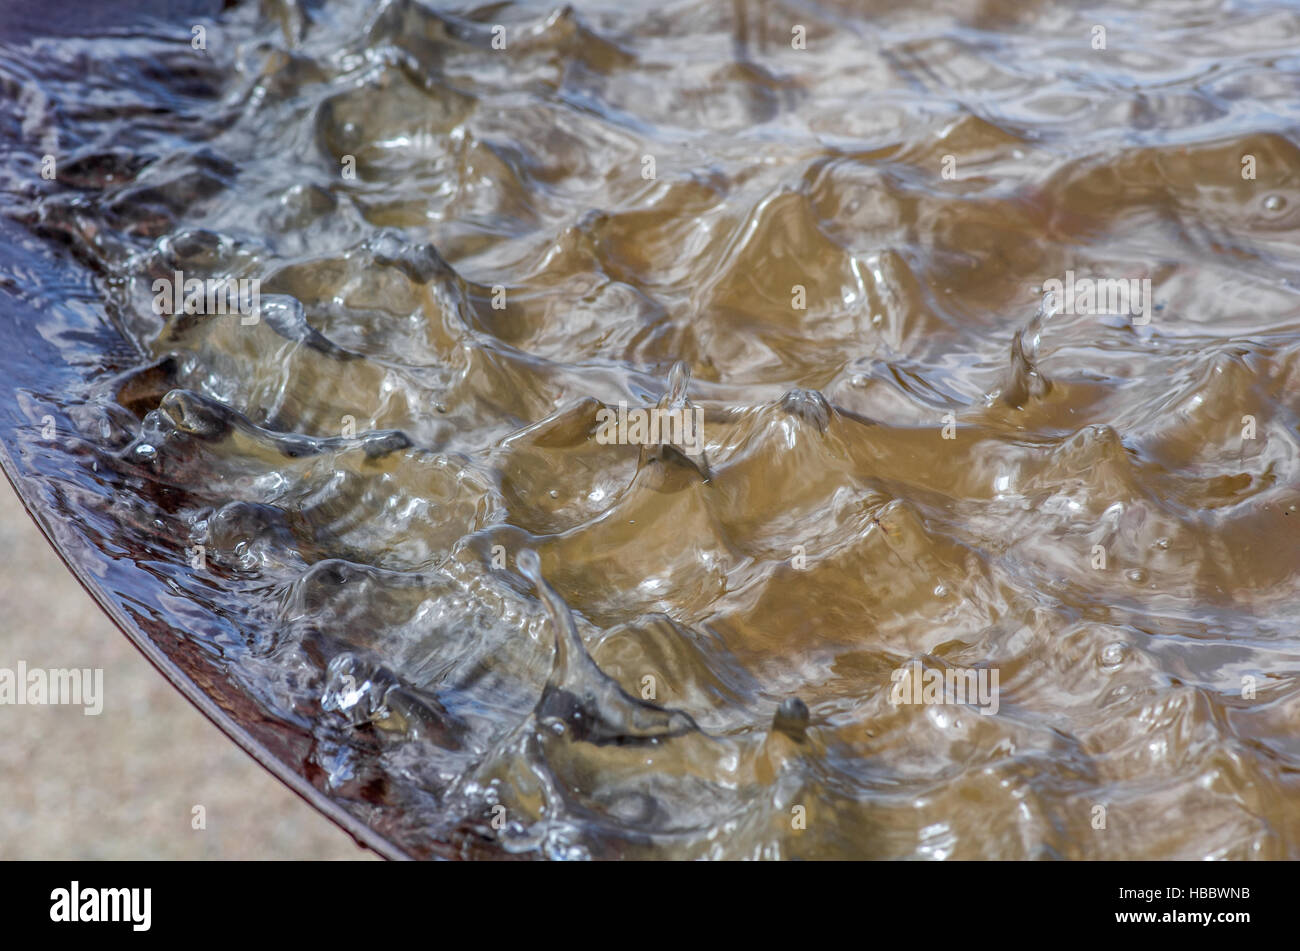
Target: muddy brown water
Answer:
pixel 972 330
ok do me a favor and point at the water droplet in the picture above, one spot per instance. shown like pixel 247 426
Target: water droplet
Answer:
pixel 1136 575
pixel 1274 203
pixel 1112 655
pixel 791 717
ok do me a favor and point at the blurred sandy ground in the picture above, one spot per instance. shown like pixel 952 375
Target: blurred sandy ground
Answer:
pixel 122 785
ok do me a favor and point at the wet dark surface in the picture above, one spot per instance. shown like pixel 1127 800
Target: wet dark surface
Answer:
pixel 378 528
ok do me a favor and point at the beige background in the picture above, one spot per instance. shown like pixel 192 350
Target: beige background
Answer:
pixel 122 785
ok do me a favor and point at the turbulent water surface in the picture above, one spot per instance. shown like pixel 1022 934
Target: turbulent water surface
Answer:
pixel 857 242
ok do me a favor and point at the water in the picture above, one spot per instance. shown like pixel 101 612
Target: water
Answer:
pixel 386 515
